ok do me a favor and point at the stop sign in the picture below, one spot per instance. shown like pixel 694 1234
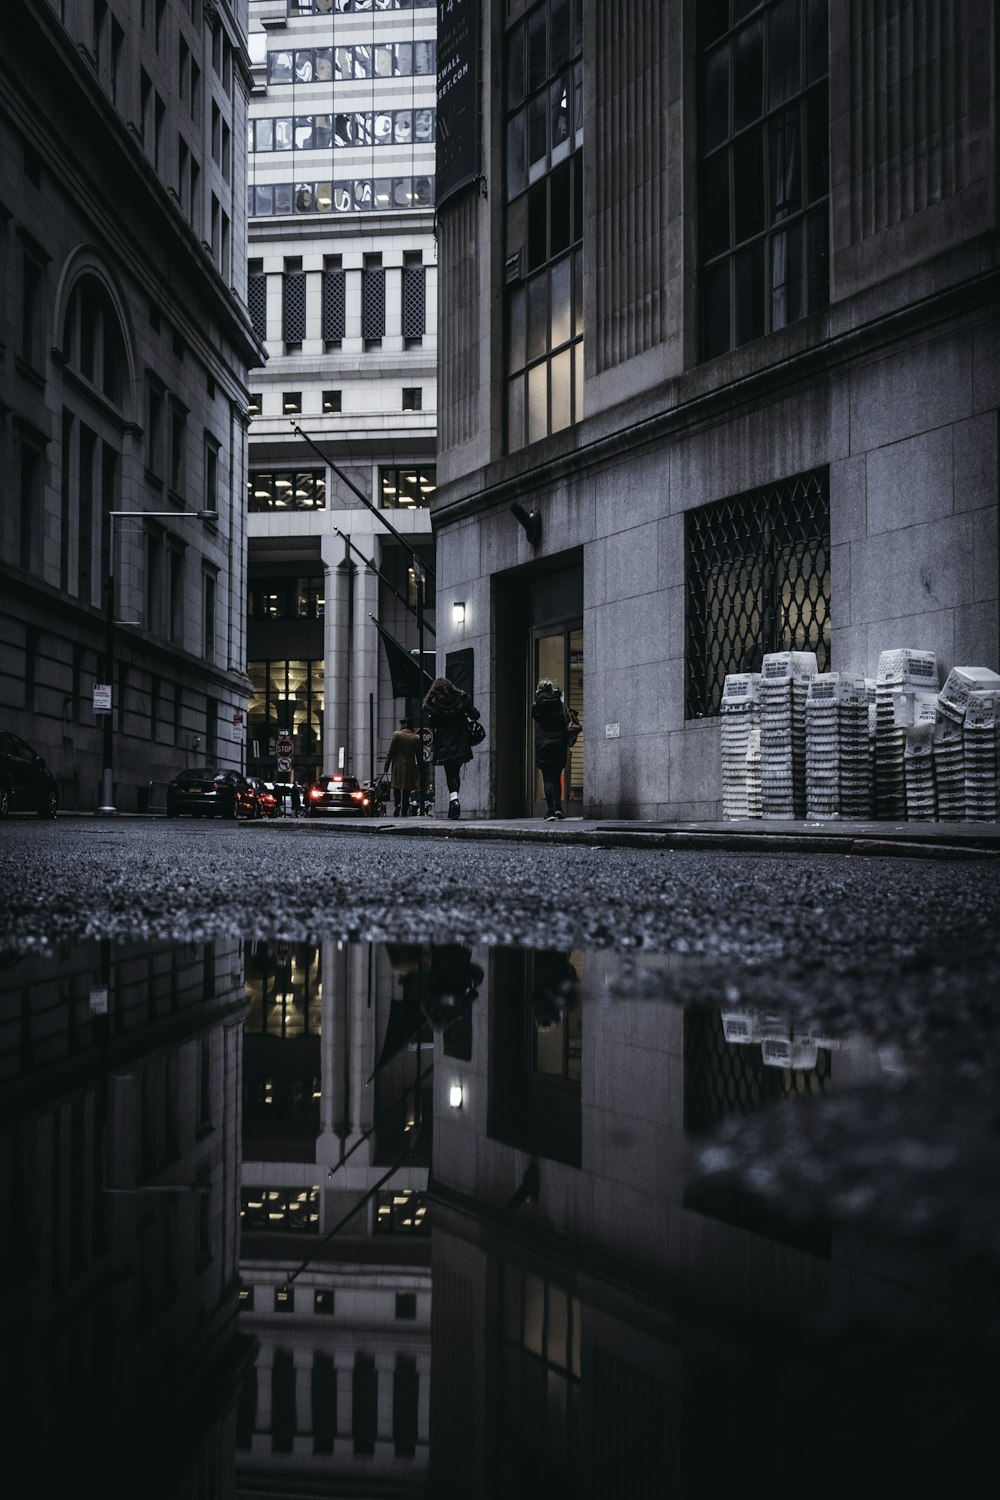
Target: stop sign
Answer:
pixel 283 745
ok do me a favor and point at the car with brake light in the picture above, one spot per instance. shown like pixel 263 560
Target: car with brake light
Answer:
pixel 267 802
pixel 337 795
pixel 205 792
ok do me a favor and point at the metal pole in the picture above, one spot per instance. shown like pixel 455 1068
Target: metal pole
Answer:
pixel 107 808
pixel 369 562
pixel 422 787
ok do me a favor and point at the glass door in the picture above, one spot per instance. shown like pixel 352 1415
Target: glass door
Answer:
pixel 557 653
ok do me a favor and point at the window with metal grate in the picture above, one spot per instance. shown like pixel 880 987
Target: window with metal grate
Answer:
pixel 414 302
pixel 257 302
pixel 294 307
pixel 373 303
pixel 334 306
pixel 757 579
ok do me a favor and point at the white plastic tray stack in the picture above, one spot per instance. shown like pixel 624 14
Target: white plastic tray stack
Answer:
pixel 823 747
pixel 784 687
pixel 981 744
pixel 740 714
pixel 855 747
pixel 921 803
pixel 963 684
pixel 898 670
pixel 754 802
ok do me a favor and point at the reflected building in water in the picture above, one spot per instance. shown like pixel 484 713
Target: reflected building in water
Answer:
pixel 119 1165
pixel 602 1326
pixel 336 1253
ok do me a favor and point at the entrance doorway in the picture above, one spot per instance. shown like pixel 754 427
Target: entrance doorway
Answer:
pixel 557 653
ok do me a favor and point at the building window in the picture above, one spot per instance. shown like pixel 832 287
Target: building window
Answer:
pixel 364 1404
pixel 30 505
pixel 32 309
pixel 211 474
pixel 178 442
pixel 286 697
pixel 414 298
pixel 176 596
pixel 757 570
pixel 413 398
pixel 764 168
pixel 293 306
pixel 372 300
pixel 543 297
pixel 401 1212
pixel 291 403
pixel 407 487
pixel 208 590
pixel 154 563
pixel 281 1209
pixel 334 303
pixel 323 1301
pixel 332 402
pixel 254 404
pixel 287 598
pixel 406 1306
pixel 291 489
pixel 257 299
pixel 154 425
pixel 540 1331
pixel 405 1401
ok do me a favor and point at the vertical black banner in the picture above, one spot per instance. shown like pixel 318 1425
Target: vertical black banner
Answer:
pixel 457 161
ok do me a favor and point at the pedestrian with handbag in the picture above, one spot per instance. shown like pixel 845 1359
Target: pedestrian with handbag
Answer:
pixel 454 719
pixel 556 728
pixel 402 763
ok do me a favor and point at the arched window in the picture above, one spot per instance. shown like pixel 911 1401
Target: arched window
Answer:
pixel 92 339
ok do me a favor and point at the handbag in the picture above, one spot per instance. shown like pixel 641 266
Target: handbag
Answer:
pixel 574 728
pixel 477 731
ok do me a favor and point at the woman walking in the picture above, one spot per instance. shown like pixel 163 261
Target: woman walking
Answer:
pixel 447 711
pixel 551 743
pixel 402 763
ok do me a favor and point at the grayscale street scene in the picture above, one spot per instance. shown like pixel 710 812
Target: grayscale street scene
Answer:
pixel 499 749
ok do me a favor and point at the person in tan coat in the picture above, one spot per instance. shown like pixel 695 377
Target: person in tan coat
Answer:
pixel 402 762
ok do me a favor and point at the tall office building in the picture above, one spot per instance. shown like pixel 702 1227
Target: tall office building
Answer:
pixel 123 354
pixel 342 287
pixel 719 317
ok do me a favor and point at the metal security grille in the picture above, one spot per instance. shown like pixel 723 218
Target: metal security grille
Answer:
pixel 334 306
pixel 757 580
pixel 414 302
pixel 294 307
pixel 731 1078
pixel 373 303
pixel 257 302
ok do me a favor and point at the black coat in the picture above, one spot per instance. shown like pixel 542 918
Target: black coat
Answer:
pixel 551 731
pixel 450 723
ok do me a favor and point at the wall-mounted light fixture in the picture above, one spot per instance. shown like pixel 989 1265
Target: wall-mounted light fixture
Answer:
pixel 455 1096
pixel 458 612
pixel 530 521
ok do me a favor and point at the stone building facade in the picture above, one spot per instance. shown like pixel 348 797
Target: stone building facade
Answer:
pixel 719 307
pixel 123 355
pixel 342 288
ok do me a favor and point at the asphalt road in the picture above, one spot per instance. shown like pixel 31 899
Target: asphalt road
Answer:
pixel 879 940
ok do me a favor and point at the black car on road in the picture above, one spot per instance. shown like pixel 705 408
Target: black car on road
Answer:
pixel 337 794
pixel 26 783
pixel 205 792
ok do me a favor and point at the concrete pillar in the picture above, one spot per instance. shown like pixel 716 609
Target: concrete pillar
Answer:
pixel 265 1361
pixel 423 1398
pixel 338 1105
pixel 360 1040
pixel 302 1356
pixel 393 340
pixel 364 667
pixel 337 653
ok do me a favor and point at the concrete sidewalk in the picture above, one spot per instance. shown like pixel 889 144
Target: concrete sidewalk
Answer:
pixel 908 840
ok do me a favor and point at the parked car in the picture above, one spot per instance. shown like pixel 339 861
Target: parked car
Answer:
pixel 337 794
pixel 205 792
pixel 267 802
pixel 26 783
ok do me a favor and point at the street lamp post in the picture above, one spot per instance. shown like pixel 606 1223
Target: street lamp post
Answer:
pixel 107 808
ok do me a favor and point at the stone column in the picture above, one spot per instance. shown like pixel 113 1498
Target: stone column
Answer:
pixel 365 668
pixel 423 1398
pixel 262 1420
pixel 343 1360
pixel 385 1367
pixel 339 588
pixel 302 1356
pixel 337 1104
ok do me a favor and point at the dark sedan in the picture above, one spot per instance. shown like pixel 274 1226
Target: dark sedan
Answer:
pixel 205 792
pixel 26 783
pixel 267 802
pixel 337 794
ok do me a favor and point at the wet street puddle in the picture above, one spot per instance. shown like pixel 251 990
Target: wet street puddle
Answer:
pixel 480 1221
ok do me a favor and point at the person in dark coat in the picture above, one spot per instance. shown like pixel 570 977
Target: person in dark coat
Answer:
pixel 402 762
pixel 551 743
pixel 447 711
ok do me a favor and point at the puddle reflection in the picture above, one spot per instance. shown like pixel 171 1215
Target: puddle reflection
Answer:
pixel 448 1220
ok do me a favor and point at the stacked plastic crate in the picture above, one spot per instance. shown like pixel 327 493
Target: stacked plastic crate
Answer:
pixel 981 744
pixel 784 688
pixel 740 713
pixel 823 747
pixel 963 685
pixel 855 748
pixel 898 670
